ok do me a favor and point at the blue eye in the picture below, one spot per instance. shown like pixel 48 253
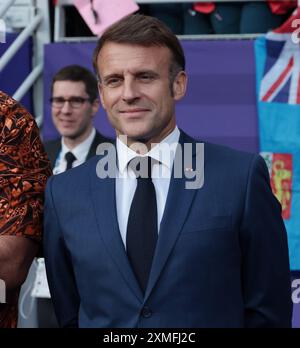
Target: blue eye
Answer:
pixel 113 82
pixel 146 77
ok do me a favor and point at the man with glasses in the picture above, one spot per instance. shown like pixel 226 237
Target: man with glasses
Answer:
pixel 74 104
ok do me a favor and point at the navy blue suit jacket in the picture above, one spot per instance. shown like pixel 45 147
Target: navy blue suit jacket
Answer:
pixel 53 147
pixel 221 258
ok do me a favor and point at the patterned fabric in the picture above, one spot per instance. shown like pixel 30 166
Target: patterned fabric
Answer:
pixel 24 169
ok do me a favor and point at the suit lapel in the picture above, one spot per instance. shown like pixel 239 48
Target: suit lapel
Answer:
pixel 176 210
pixel 93 148
pixel 104 201
pixel 53 149
pixel 98 139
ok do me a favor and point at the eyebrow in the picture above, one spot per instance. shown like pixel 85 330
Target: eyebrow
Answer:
pixel 138 73
pixel 107 77
pixel 71 96
pixel 152 72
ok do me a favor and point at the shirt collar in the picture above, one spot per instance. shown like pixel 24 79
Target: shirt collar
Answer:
pixel 80 151
pixel 164 152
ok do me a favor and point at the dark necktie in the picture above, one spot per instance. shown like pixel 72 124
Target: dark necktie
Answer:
pixel 142 226
pixel 70 158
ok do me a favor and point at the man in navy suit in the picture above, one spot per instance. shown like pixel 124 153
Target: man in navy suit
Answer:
pixel 144 245
pixel 74 104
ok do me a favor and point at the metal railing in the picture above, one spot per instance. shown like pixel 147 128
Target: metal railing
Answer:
pixel 19 41
pixel 5 6
pixel 39 30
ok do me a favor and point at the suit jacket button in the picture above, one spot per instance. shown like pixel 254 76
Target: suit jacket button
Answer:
pixel 146 312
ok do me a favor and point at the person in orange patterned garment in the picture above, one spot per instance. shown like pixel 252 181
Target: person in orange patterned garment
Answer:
pixel 24 170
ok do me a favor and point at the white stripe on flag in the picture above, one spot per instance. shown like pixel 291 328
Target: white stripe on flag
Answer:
pixel 274 73
pixel 295 79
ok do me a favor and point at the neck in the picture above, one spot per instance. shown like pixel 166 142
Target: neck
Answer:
pixel 142 146
pixel 71 143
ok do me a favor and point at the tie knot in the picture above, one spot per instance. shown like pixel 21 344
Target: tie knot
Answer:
pixel 70 158
pixel 142 166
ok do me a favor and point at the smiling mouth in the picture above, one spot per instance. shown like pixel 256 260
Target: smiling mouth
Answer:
pixel 66 123
pixel 133 112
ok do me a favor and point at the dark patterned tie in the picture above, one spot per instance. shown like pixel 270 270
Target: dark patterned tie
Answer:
pixel 70 158
pixel 142 225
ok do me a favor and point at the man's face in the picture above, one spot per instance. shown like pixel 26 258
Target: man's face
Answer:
pixel 135 90
pixel 72 122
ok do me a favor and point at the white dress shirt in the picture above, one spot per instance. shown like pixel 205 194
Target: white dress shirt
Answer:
pixel 126 182
pixel 80 152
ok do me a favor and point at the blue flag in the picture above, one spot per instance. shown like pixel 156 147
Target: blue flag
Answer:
pixel 278 98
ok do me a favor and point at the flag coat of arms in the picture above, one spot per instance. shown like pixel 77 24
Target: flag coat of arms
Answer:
pixel 278 98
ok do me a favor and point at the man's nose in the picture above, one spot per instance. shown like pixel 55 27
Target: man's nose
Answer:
pixel 66 108
pixel 130 91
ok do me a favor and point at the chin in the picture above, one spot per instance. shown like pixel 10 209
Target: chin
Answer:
pixel 68 134
pixel 140 137
pixel 133 133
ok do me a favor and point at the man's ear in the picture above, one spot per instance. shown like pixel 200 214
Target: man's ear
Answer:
pixel 100 89
pixel 179 85
pixel 95 106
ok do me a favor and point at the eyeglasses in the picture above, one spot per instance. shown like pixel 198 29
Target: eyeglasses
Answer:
pixel 75 102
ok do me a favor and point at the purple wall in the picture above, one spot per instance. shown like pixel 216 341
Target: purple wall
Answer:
pixel 20 65
pixel 220 105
